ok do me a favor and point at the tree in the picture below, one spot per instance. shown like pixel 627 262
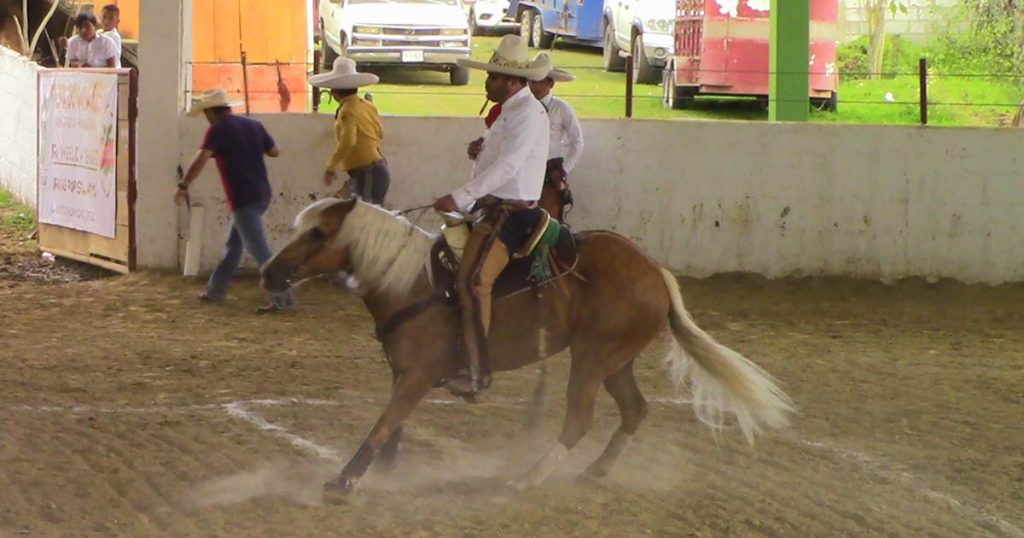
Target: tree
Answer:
pixel 876 11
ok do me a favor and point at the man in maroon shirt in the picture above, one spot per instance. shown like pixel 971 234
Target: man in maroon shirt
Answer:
pixel 238 145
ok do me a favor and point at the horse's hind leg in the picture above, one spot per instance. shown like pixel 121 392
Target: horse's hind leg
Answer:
pixel 584 381
pixel 632 408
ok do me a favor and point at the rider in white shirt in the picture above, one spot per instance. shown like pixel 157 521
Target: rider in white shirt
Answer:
pixel 506 184
pixel 566 143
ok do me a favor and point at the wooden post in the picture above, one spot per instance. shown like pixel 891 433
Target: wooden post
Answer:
pixel 629 86
pixel 923 75
pixel 314 89
pixel 245 82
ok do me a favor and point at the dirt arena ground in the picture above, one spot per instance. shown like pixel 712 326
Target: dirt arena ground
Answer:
pixel 130 410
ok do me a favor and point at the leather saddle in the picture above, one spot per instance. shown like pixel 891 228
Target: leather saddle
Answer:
pixel 523 272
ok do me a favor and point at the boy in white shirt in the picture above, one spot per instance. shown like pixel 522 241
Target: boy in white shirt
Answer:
pixel 110 19
pixel 88 48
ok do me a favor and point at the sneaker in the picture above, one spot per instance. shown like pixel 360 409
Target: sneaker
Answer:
pixel 272 308
pixel 205 297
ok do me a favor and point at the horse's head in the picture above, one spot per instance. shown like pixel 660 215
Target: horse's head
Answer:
pixel 314 248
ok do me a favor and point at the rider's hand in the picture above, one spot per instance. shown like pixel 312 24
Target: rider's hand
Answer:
pixel 558 175
pixel 445 203
pixel 475 147
pixel 181 197
pixel 330 177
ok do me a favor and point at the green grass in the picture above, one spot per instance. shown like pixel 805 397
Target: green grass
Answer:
pixel 952 100
pixel 597 94
pixel 15 218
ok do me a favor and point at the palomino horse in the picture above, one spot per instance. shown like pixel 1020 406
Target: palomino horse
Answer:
pixel 624 300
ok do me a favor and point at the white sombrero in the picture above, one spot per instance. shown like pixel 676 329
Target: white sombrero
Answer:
pixel 513 58
pixel 557 75
pixel 211 99
pixel 343 76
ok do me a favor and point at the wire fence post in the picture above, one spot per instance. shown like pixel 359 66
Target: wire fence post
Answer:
pixel 629 86
pixel 316 69
pixel 245 82
pixel 923 76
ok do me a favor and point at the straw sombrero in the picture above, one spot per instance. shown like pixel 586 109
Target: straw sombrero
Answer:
pixel 343 76
pixel 512 58
pixel 211 99
pixel 557 75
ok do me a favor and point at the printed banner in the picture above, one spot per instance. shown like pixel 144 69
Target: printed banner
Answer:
pixel 77 151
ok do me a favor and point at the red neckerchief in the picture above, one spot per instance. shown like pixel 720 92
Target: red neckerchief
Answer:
pixel 492 115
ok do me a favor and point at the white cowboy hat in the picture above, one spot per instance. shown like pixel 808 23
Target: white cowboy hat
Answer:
pixel 513 58
pixel 557 75
pixel 343 76
pixel 211 99
pixel 561 75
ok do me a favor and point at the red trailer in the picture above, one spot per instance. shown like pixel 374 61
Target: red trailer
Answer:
pixel 722 49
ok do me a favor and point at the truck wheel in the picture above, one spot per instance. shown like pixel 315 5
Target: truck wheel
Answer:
pixel 459 76
pixel 541 39
pixel 610 54
pixel 328 55
pixel 526 26
pixel 674 97
pixel 643 72
pixel 473 28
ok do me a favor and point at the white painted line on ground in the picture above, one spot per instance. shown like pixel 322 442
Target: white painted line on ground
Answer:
pixel 238 410
pixel 880 467
pixel 275 402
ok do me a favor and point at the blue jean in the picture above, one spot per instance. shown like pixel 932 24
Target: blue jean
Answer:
pixel 246 235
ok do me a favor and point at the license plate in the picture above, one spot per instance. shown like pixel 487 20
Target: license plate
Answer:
pixel 412 55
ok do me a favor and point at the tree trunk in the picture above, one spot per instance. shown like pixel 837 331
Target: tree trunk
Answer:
pixel 1018 118
pixel 875 11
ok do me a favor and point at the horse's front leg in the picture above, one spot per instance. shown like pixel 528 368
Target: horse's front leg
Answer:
pixel 388 457
pixel 409 390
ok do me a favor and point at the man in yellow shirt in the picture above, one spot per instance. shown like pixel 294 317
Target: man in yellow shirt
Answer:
pixel 358 132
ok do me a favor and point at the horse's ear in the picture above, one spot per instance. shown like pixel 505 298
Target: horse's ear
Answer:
pixel 333 216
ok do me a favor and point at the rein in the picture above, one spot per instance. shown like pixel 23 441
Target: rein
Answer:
pixel 405 314
pixel 417 208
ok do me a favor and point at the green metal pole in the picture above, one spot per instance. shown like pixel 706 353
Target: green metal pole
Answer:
pixel 789 52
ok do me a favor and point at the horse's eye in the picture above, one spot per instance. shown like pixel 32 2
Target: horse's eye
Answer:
pixel 317 234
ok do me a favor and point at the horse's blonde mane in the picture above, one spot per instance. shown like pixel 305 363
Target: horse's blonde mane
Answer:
pixel 388 253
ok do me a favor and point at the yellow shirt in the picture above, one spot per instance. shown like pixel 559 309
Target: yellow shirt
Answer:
pixel 358 132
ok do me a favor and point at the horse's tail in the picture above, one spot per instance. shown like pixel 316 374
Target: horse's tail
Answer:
pixel 720 380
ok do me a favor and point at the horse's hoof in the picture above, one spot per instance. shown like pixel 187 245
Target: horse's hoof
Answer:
pixel 339 489
pixel 588 478
pixel 387 465
pixel 518 485
pixel 593 474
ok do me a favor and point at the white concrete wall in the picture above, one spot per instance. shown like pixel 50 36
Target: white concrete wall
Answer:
pixel 711 197
pixel 917 24
pixel 161 100
pixel 18 126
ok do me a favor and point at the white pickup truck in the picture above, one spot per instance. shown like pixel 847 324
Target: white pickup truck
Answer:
pixel 646 28
pixel 415 34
